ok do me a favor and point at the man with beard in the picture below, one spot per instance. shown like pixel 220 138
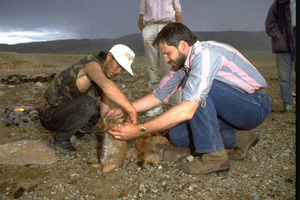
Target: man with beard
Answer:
pixel 80 94
pixel 223 98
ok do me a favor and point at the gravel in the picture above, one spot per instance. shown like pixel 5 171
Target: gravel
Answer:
pixel 268 172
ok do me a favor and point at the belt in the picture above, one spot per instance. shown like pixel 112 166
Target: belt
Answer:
pixel 44 107
pixel 158 22
pixel 261 90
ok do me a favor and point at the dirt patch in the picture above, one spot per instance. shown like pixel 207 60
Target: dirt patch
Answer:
pixel 269 171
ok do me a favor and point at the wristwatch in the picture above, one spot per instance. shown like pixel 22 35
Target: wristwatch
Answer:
pixel 142 129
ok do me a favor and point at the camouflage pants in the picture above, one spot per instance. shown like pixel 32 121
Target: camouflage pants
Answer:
pixel 67 118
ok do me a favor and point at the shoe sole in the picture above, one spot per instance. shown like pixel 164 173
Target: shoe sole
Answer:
pixel 61 149
pixel 252 145
pixel 152 115
pixel 219 171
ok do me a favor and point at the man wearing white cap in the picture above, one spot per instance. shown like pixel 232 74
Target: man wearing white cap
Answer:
pixel 80 94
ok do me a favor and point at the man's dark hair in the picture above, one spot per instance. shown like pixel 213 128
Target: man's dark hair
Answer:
pixel 102 54
pixel 172 33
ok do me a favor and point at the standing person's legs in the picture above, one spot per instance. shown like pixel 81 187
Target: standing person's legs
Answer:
pixel 149 34
pixel 294 54
pixel 68 118
pixel 152 55
pixel 284 69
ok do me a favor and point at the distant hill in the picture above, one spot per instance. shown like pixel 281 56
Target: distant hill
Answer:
pixel 242 40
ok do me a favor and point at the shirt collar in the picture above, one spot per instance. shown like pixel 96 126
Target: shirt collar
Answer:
pixel 188 59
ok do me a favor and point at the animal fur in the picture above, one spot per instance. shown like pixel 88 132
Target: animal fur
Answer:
pixel 112 152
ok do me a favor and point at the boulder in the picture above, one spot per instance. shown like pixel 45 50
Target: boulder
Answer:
pixel 25 152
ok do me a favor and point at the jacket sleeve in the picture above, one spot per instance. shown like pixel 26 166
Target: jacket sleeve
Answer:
pixel 271 23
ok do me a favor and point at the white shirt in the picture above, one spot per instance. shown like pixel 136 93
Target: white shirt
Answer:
pixel 159 10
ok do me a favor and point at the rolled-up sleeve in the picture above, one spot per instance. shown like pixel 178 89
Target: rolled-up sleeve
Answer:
pixel 169 85
pixel 143 7
pixel 177 5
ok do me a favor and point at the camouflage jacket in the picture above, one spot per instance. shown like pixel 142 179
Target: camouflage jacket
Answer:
pixel 63 87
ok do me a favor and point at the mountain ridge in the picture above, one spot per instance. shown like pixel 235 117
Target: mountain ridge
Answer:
pixel 242 40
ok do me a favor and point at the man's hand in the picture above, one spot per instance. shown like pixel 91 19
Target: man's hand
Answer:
pixel 111 91
pixel 117 113
pixel 133 117
pixel 125 132
pixel 277 35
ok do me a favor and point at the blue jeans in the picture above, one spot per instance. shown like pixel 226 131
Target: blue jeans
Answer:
pixel 294 53
pixel 213 127
pixel 284 65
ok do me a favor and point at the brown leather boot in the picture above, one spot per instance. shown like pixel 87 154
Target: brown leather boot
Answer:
pixel 208 163
pixel 172 153
pixel 245 140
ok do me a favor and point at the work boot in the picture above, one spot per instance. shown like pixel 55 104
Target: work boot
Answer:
pixel 85 133
pixel 208 163
pixel 64 146
pixel 171 152
pixel 245 140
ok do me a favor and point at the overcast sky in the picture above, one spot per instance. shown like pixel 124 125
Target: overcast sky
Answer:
pixel 42 20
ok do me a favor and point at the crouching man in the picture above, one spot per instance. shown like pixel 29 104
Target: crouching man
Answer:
pixel 81 93
pixel 223 98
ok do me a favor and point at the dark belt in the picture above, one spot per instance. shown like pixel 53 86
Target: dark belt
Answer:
pixel 44 107
pixel 261 90
pixel 158 22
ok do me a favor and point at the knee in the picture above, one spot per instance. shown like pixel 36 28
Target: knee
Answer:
pixel 178 140
pixel 89 106
pixel 173 139
pixel 146 34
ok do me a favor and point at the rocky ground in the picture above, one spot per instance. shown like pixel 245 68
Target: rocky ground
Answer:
pixel 269 171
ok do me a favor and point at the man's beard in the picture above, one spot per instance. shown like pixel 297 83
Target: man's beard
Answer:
pixel 178 62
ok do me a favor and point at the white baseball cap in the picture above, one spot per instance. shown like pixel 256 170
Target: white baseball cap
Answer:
pixel 124 56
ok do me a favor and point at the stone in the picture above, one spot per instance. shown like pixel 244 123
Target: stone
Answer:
pixel 25 152
pixel 111 153
pixel 39 84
